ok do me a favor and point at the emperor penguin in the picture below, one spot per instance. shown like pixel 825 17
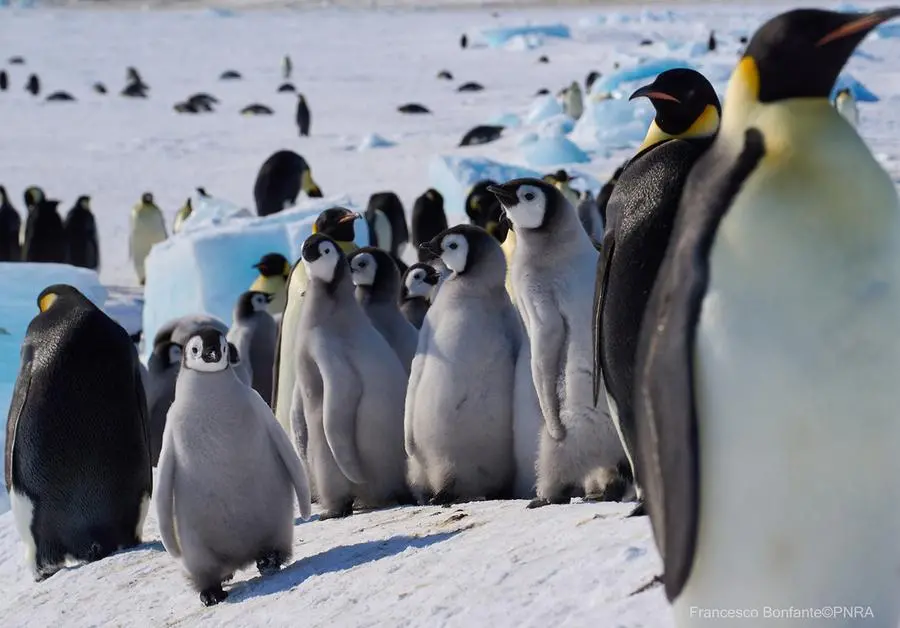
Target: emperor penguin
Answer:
pixel 482 208
pixel 353 387
pixel 274 270
pixel 147 228
pixel 560 180
pixel 162 372
pixel 45 237
pixel 417 291
pixel 573 101
pixel 845 102
pixel 604 194
pixel 589 215
pixel 227 474
pixel 32 196
pixel 387 222
pixel 10 224
pixel 756 436
pixel 280 180
pixel 286 67
pixel 183 214
pixel 377 282
pixel 82 248
pixel 428 218
pixel 77 455
pixel 303 116
pixel 552 274
pixel 459 403
pixel 336 223
pixel 645 204
pixel 254 333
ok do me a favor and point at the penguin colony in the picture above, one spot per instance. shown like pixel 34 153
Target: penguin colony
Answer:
pixel 631 347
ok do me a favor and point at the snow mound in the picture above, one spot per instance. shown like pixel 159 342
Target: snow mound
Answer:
pixel 520 43
pixel 542 108
pixel 860 91
pixel 204 269
pixel 556 126
pixel 613 124
pixel 454 176
pixel 18 307
pixel 497 37
pixel 553 150
pixel 373 140
pixel 644 71
pixel 888 31
pixel 508 120
pixel 591 21
pixel 691 50
pixel 213 211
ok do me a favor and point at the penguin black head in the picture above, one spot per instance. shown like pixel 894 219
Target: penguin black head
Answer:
pixel 336 223
pixel 460 248
pixel 529 203
pixel 419 281
pixel 207 351
pixel 33 196
pixel 83 202
pixel 560 176
pixel 60 293
pixel 167 354
pixel 3 197
pixel 324 260
pixel 686 106
pixel 273 265
pixel 251 302
pixel 202 192
pixel 800 53
pixel 147 198
pixel 371 267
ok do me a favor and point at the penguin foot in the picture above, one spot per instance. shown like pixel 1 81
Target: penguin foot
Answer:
pixel 614 491
pixel 639 511
pixel 540 502
pixel 213 595
pixel 656 580
pixel 269 563
pixel 442 499
pixel 338 513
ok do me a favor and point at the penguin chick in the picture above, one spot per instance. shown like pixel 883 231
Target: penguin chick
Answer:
pixel 589 215
pixel 552 274
pixel 77 457
pixel 82 248
pixel 459 403
pixel 788 208
pixel 303 115
pixel 254 333
pixel 377 282
pixel 162 372
pixel 573 102
pixel 416 292
pixel 45 237
pixel 352 386
pixel 147 228
pixel 183 214
pixel 227 473
pixel 274 270
pixel 10 225
pixel 642 209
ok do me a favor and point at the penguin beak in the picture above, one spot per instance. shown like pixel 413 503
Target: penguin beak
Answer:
pixel 211 355
pixel 268 297
pixel 651 92
pixel 859 26
pixel 506 196
pixel 432 247
pixel 349 218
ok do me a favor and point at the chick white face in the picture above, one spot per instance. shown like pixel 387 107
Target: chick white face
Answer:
pixel 455 252
pixel 206 354
pixel 529 212
pixel 260 302
pixel 323 267
pixel 362 269
pixel 416 285
pixel 175 354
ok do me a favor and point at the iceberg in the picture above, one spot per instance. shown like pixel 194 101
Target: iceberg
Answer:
pixel 542 108
pixel 497 37
pixel 520 43
pixel 373 140
pixel 508 120
pixel 203 270
pixel 613 124
pixel 453 177
pixel 860 91
pixel 553 150
pixel 643 71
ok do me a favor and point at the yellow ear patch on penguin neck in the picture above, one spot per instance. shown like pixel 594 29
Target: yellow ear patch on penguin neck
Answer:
pixel 315 228
pixel 287 267
pixel 46 301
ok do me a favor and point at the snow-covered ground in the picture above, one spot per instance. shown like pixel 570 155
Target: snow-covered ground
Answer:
pixel 476 564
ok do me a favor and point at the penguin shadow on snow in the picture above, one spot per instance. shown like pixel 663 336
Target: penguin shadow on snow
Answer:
pixel 340 558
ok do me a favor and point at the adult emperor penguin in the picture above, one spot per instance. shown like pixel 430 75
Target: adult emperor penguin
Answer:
pixel 32 196
pixel 303 116
pixel 77 457
pixel 845 102
pixel 254 333
pixel 417 291
pixel 274 270
pixel 393 234
pixel 227 474
pixel 147 228
pixel 183 214
pixel 45 237
pixel 162 372
pixel 560 180
pixel 10 224
pixel 353 386
pixel 459 403
pixel 336 223
pixel 552 274
pixel 428 218
pixel 280 180
pixel 377 281
pixel 643 205
pixel 756 437
pixel 589 215
pixel 82 248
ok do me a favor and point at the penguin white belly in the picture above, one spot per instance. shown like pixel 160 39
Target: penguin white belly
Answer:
pixel 146 231
pixel 796 360
pixel 23 514
pixel 287 362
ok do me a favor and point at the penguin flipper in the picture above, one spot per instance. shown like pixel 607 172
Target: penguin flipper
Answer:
pixel 342 391
pixel 546 360
pixel 665 411
pixel 165 496
pixel 297 420
pixel 415 375
pixel 292 462
pixel 19 399
pixel 607 249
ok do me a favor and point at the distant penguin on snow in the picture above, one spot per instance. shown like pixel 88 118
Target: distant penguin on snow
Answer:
pixel 253 333
pixel 4 81
pixel 417 291
pixel 845 103
pixel 147 228
pixel 82 248
pixel 10 225
pixel 387 222
pixel 280 180
pixel 45 237
pixel 33 86
pixel 459 403
pixel 303 115
pixel 77 456
pixel 227 474
pixel 552 273
pixel 377 281
pixel 352 387
pixel 428 219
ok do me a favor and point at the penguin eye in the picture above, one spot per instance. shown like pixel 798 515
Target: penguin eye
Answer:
pixel 195 350
pixel 453 246
pixel 529 196
pixel 362 264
